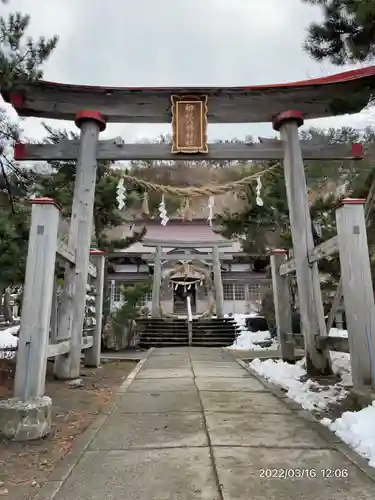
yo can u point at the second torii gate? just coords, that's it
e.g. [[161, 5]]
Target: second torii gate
[[159, 257]]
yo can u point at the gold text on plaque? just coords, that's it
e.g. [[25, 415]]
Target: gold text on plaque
[[189, 123]]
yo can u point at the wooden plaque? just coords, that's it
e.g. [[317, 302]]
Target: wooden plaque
[[189, 123]]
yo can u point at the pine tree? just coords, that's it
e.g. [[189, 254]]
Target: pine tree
[[346, 34], [253, 223], [21, 59], [14, 232], [268, 225], [59, 185]]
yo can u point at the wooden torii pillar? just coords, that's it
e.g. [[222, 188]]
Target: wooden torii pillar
[[156, 283], [310, 299], [218, 282], [67, 366]]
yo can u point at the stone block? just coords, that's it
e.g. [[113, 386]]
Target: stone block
[[25, 420]]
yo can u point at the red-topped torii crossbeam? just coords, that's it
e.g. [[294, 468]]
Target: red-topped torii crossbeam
[[347, 92]]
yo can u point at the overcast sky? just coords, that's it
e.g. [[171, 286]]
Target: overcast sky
[[177, 43]]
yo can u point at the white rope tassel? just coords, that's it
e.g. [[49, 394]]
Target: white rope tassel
[[259, 200], [211, 201], [163, 212], [121, 194]]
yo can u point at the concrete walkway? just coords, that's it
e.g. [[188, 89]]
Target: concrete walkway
[[194, 424]]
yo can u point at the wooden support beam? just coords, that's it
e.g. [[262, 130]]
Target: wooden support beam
[[54, 313], [92, 355], [115, 150], [188, 256], [64, 347], [358, 290], [66, 254], [185, 244], [63, 252], [322, 251], [155, 307], [336, 344], [80, 234], [218, 282], [281, 299], [37, 300], [189, 320], [58, 349], [310, 300], [287, 267]]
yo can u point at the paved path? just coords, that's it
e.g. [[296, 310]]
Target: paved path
[[132, 354], [193, 424]]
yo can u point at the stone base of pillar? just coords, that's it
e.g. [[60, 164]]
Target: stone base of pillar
[[26, 420]]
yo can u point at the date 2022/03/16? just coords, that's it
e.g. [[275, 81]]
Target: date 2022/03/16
[[300, 473]]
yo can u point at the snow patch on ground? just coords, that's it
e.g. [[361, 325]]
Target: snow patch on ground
[[341, 360], [341, 366], [247, 341], [7, 340], [336, 332], [357, 429], [309, 394]]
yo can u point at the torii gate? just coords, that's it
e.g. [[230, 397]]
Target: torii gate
[[214, 257], [189, 109]]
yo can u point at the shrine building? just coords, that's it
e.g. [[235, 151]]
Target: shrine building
[[243, 275]]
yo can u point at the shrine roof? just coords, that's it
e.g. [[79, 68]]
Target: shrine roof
[[176, 232], [338, 94]]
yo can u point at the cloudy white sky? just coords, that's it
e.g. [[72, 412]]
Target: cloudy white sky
[[177, 43]]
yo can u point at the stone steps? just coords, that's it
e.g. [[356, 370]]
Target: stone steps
[[160, 332]]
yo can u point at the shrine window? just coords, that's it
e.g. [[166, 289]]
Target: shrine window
[[228, 291], [239, 291], [118, 291], [254, 291]]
